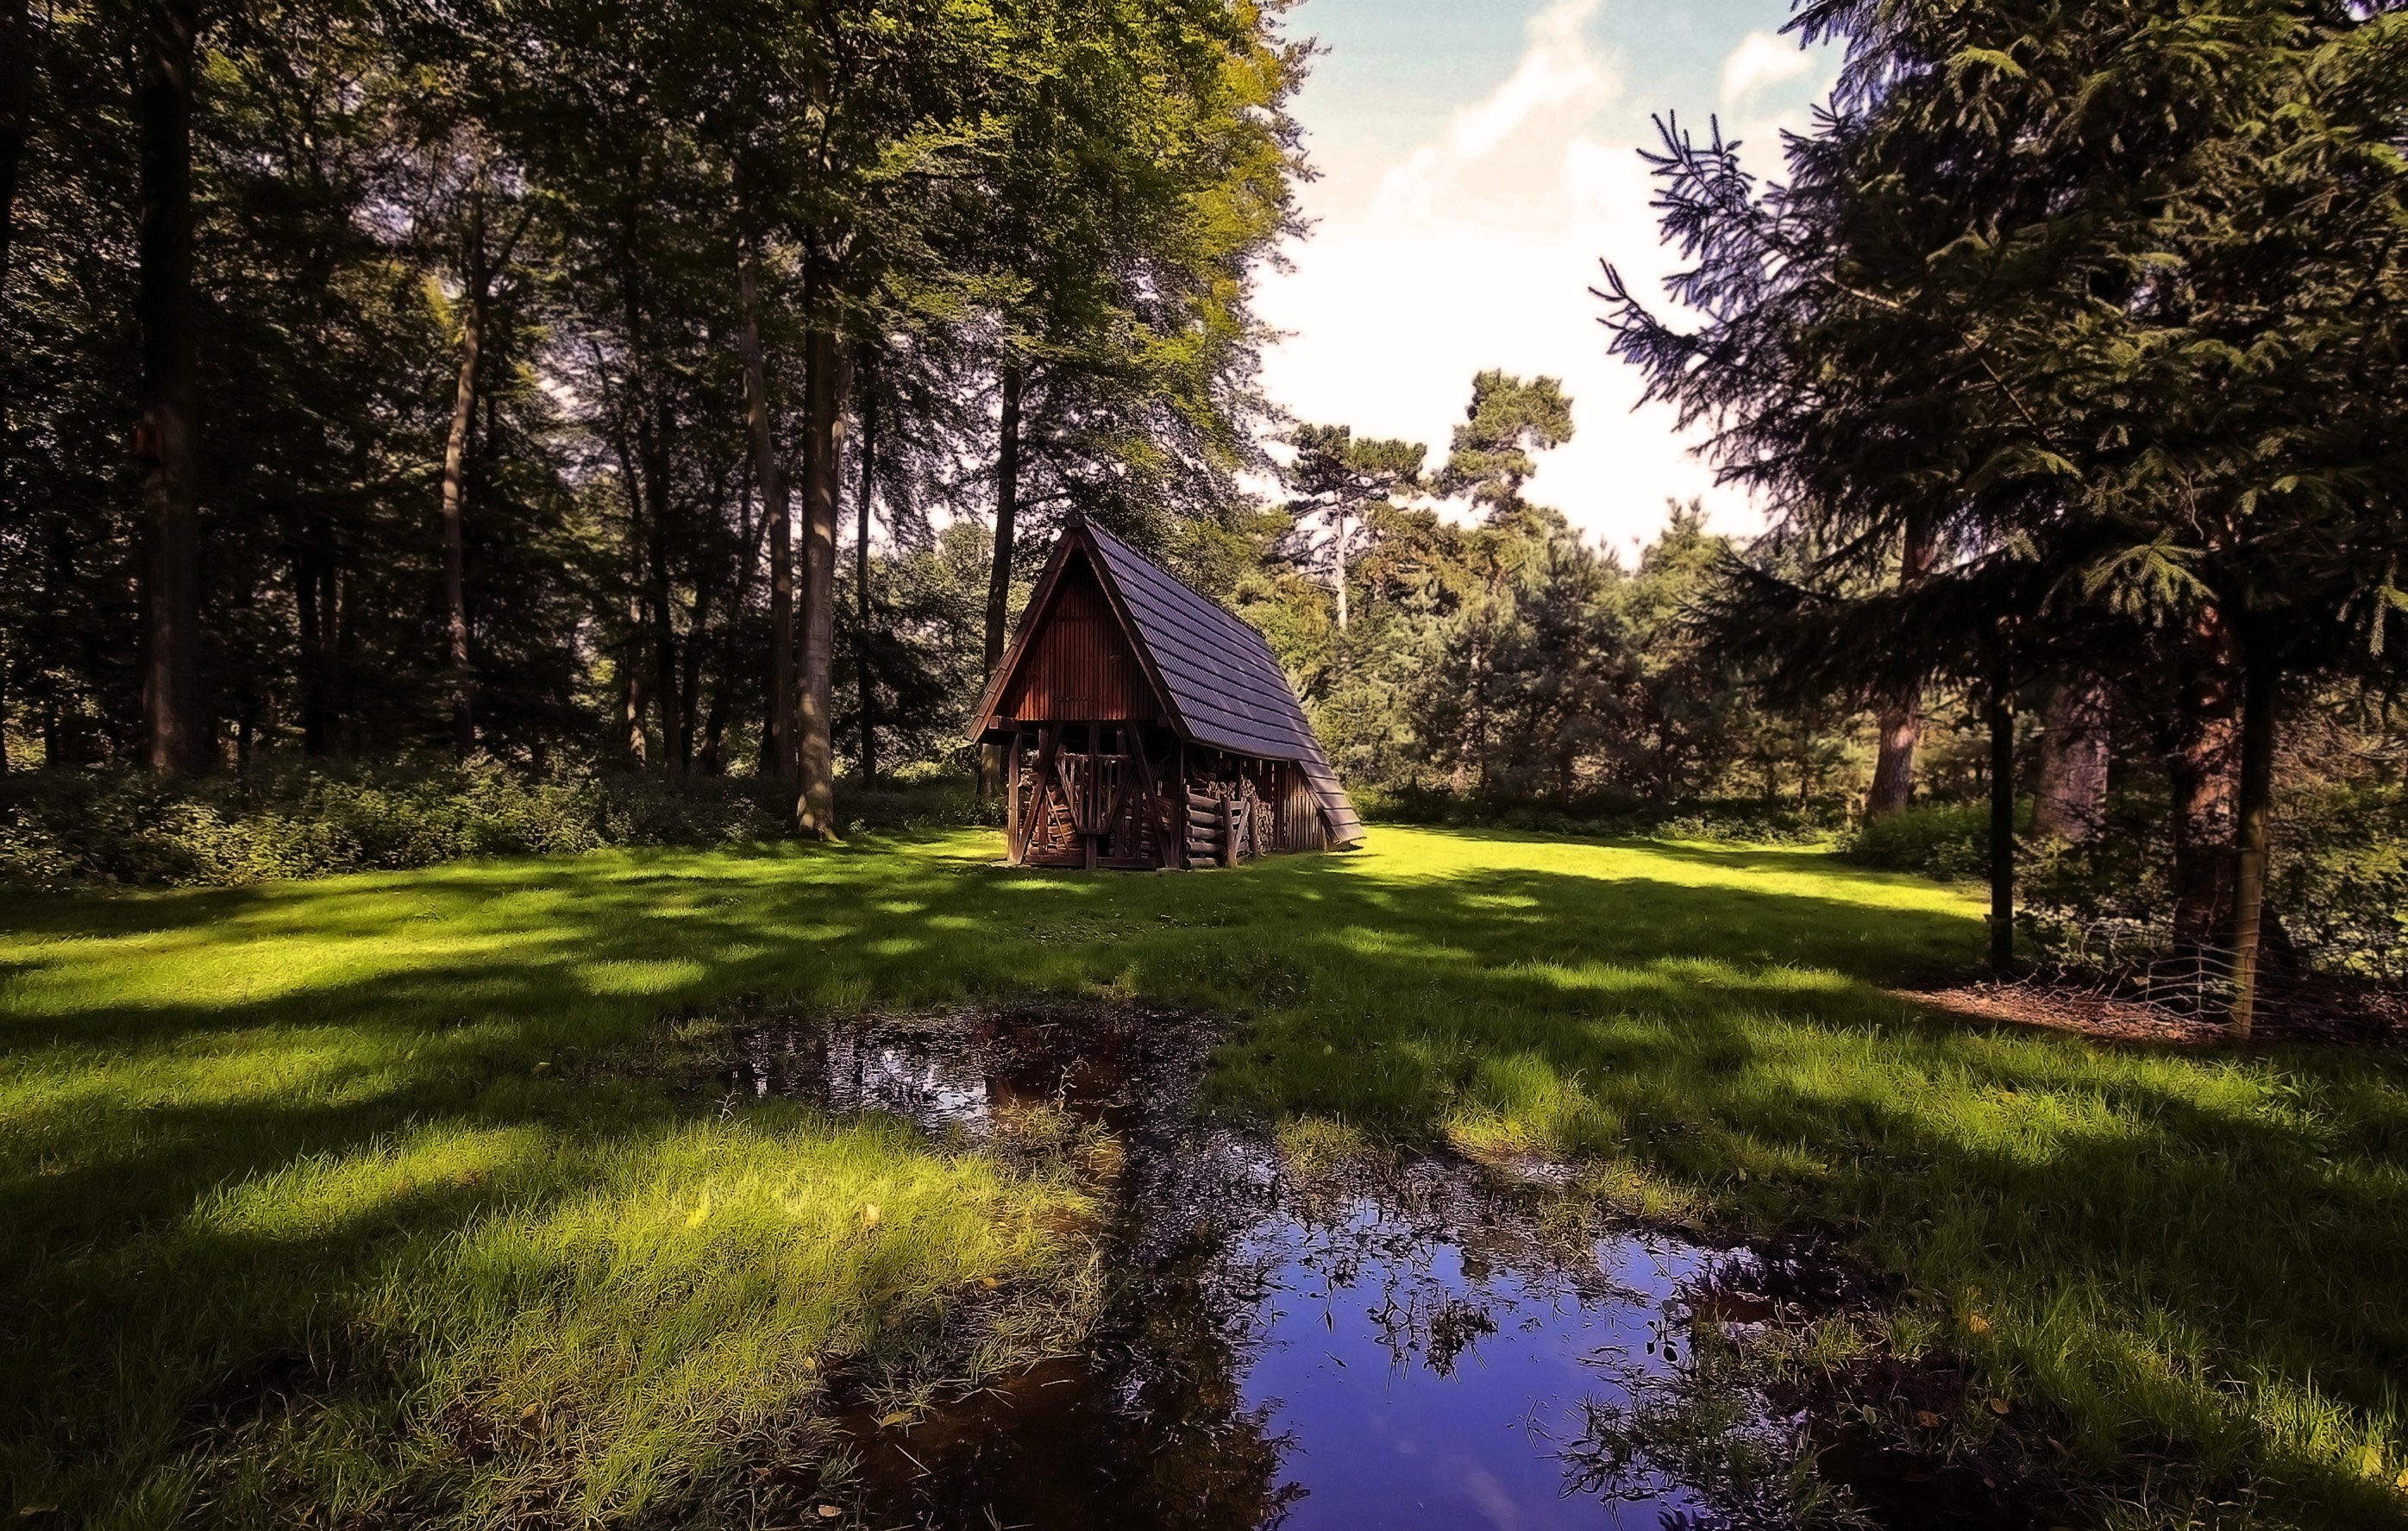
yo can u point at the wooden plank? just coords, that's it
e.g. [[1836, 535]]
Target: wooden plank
[[1228, 832]]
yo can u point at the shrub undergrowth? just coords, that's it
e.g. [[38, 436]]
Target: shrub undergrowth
[[64, 828]]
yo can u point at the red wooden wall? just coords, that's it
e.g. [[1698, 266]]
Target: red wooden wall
[[1080, 668]]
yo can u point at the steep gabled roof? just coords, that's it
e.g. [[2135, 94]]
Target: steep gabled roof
[[1224, 686]]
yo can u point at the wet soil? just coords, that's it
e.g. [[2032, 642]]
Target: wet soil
[[1386, 1343]]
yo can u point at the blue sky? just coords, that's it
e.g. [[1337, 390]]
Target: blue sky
[[1476, 161]]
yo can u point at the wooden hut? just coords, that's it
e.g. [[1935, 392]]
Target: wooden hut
[[1146, 727]]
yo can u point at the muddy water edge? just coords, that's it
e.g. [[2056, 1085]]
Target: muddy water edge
[[1300, 1339]]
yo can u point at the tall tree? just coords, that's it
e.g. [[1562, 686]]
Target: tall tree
[[1337, 478], [2075, 738], [829, 389], [16, 117], [165, 444], [480, 262], [865, 509]]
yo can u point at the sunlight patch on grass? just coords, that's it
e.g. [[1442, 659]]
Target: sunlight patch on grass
[[656, 976]]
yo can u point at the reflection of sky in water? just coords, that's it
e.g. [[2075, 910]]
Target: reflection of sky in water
[[1409, 1353], [1381, 1438], [929, 1087]]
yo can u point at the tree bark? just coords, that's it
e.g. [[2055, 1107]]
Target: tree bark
[[456, 490], [2073, 792], [655, 446], [2260, 695], [831, 368], [314, 600], [770, 472], [1901, 713], [629, 721], [175, 736], [711, 757], [2002, 805], [863, 513], [2200, 768], [998, 585]]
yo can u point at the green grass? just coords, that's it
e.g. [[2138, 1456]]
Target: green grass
[[436, 1134]]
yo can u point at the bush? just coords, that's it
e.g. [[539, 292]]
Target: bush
[[59, 828], [917, 802], [1937, 839], [2336, 894], [1748, 821]]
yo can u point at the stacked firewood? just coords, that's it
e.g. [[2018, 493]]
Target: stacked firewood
[[1226, 823]]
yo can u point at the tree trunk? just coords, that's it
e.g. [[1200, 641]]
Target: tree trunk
[[2002, 805], [1901, 713], [711, 756], [830, 383], [2200, 770], [998, 585], [629, 721], [1338, 559], [312, 604], [778, 744], [456, 490], [2073, 792], [174, 732], [653, 444], [864, 513], [2262, 689]]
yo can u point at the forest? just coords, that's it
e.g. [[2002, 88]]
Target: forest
[[692, 396], [511, 1012]]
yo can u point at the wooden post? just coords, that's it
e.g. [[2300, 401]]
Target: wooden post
[[1229, 830], [1012, 826], [1176, 790]]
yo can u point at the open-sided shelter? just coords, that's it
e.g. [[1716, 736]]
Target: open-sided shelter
[[1145, 727]]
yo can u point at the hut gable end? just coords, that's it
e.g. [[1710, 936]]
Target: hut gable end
[[1077, 662]]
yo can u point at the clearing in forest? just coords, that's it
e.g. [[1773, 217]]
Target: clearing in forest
[[429, 1195]]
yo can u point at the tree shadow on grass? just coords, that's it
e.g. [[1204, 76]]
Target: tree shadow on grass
[[1687, 1011]]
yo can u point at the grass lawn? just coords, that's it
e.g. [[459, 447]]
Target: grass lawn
[[426, 1150]]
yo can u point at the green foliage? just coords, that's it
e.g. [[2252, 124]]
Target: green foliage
[[2340, 886], [2338, 898], [1937, 839], [65, 827]]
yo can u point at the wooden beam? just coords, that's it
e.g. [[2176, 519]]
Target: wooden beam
[[1011, 803]]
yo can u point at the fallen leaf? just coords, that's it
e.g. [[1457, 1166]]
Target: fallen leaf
[[1999, 1406], [1926, 1419], [989, 1282], [891, 1421], [869, 1215], [829, 1513], [1979, 1324], [700, 1211]]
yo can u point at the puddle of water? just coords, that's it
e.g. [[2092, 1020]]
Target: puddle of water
[[1404, 1348]]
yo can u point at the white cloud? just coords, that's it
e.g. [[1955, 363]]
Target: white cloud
[[1478, 252], [1761, 60]]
